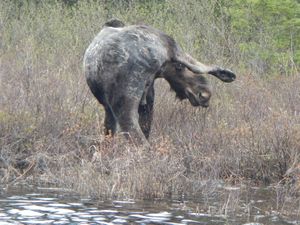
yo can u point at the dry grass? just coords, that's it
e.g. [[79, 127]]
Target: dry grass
[[51, 126]]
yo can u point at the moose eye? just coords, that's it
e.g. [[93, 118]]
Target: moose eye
[[179, 66]]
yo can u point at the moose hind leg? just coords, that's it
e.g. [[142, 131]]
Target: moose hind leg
[[110, 123], [146, 112], [126, 112]]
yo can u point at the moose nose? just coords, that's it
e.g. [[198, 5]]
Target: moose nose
[[205, 96]]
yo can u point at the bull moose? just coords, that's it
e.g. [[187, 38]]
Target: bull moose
[[121, 65]]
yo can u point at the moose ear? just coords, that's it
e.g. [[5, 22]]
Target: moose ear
[[225, 75]]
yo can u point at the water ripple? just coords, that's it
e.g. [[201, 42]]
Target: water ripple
[[42, 208]]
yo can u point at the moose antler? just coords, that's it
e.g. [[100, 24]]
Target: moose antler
[[195, 66]]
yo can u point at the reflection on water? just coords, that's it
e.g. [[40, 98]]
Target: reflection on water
[[52, 208]]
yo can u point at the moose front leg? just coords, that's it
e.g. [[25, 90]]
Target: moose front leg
[[110, 122]]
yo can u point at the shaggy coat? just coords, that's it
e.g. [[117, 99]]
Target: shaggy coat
[[121, 65]]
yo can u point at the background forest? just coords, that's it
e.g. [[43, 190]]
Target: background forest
[[51, 126]]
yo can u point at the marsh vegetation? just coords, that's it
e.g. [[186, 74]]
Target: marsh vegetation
[[51, 126]]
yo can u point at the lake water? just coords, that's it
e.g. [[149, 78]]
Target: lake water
[[51, 206]]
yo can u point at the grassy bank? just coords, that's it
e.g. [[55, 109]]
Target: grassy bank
[[51, 126]]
